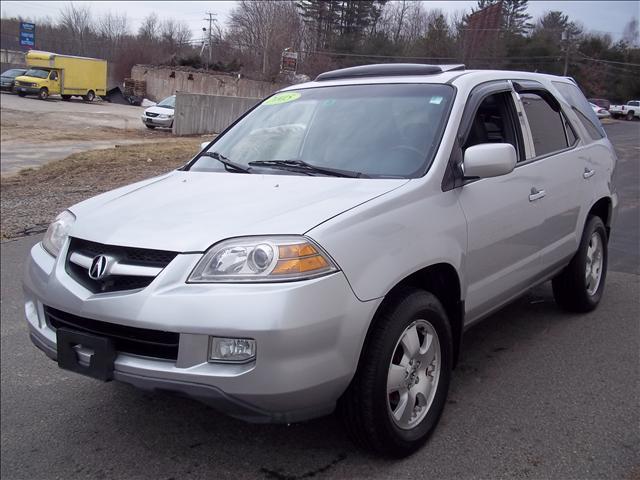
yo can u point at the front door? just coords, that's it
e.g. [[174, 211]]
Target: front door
[[504, 215], [54, 82]]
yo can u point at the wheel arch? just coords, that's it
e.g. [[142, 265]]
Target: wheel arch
[[603, 208], [443, 281]]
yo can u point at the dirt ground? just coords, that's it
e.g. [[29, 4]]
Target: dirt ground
[[33, 197]]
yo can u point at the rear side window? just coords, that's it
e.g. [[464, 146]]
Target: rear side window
[[547, 125], [580, 105]]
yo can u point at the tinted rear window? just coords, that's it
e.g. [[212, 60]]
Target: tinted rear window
[[585, 113], [547, 126]]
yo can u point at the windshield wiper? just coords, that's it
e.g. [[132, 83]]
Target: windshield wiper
[[304, 167], [227, 163]]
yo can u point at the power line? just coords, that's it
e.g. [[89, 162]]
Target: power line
[[627, 64]]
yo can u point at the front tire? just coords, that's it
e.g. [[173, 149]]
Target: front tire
[[22, 94], [150, 127], [579, 287], [400, 388], [43, 94]]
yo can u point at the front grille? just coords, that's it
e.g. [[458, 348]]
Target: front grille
[[150, 114], [113, 283], [138, 341]]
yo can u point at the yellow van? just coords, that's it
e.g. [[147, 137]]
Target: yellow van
[[65, 75]]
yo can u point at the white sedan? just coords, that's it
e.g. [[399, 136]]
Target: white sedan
[[600, 112], [161, 114]]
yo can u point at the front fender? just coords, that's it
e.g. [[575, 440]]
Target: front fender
[[382, 242]]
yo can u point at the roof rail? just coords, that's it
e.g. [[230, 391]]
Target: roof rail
[[387, 69]]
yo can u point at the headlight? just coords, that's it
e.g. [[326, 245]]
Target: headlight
[[262, 259], [57, 232], [166, 115]]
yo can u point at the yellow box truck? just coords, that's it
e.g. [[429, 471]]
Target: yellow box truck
[[65, 75]]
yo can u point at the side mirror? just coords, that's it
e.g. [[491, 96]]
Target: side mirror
[[204, 145], [489, 160]]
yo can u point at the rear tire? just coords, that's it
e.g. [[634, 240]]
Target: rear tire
[[89, 96], [630, 116], [43, 94], [579, 287], [390, 379]]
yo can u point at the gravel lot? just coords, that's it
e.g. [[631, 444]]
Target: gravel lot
[[32, 198], [63, 128]]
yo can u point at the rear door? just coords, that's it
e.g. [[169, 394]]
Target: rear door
[[504, 214], [562, 168]]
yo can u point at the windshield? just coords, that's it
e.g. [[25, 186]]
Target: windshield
[[390, 130], [169, 102], [13, 73], [35, 72]]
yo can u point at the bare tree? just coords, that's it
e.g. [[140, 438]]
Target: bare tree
[[77, 21], [112, 28], [630, 34], [262, 29], [150, 28]]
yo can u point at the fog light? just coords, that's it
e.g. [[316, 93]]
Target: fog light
[[31, 312], [231, 350]]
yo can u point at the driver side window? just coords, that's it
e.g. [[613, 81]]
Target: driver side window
[[493, 122], [53, 75]]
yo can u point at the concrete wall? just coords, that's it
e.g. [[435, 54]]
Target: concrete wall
[[165, 81], [11, 59], [200, 114]]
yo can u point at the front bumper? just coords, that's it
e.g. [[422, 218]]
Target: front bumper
[[309, 335], [27, 90], [157, 122]]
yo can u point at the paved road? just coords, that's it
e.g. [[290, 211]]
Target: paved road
[[538, 394]]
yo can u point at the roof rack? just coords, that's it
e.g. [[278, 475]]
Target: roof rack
[[387, 69]]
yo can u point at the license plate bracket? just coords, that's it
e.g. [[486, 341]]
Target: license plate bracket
[[100, 362]]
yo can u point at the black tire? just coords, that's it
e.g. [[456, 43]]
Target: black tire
[[365, 407], [43, 94], [151, 127], [570, 287], [89, 96], [66, 98], [22, 94], [630, 116]]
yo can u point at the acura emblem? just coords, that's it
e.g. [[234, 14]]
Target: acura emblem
[[99, 266]]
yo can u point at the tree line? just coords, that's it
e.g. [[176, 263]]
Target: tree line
[[330, 34]]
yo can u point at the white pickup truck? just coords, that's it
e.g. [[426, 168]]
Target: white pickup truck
[[629, 111]]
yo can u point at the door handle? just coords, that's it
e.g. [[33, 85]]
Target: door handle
[[536, 194], [588, 173]]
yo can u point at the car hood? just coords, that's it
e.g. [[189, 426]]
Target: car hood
[[160, 110], [25, 78], [190, 211]]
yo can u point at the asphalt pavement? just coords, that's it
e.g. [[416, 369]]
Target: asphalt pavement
[[538, 394]]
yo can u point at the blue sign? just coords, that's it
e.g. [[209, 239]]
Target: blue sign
[[27, 34]]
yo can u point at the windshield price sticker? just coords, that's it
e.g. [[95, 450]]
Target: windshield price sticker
[[283, 97]]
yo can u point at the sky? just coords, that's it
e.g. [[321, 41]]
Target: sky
[[597, 16]]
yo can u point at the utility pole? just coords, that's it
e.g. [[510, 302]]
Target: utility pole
[[211, 20]]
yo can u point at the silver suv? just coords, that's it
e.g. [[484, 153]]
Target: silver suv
[[330, 248]]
